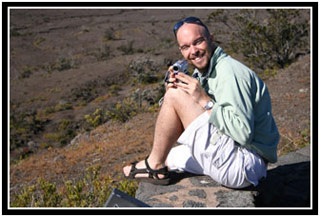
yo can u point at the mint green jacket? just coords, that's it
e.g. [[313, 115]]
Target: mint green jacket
[[242, 108]]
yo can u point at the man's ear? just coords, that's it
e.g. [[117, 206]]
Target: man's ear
[[211, 40], [211, 37]]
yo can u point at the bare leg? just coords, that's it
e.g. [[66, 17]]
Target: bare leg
[[177, 112]]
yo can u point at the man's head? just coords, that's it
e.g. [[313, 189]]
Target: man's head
[[195, 42]]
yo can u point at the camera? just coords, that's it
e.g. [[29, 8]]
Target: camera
[[180, 66]]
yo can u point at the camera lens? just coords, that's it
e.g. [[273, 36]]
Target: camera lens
[[175, 68]]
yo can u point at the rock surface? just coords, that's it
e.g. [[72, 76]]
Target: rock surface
[[287, 185]]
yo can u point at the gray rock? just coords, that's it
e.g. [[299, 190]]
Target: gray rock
[[199, 193], [191, 203], [32, 145], [203, 181], [173, 198], [305, 151], [147, 190], [235, 199], [291, 158], [75, 141]]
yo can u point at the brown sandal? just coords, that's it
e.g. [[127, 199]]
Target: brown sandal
[[153, 174]]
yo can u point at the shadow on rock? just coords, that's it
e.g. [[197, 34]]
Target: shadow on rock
[[285, 186], [177, 176]]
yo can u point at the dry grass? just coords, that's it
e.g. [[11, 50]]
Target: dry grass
[[111, 146]]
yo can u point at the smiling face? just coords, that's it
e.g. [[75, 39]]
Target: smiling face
[[196, 45]]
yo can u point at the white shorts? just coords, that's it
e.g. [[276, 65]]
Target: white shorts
[[205, 150]]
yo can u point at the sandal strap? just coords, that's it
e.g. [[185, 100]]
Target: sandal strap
[[154, 173], [151, 172], [134, 171]]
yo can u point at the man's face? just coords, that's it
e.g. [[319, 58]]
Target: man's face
[[195, 45]]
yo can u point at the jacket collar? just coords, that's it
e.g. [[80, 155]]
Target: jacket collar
[[213, 62]]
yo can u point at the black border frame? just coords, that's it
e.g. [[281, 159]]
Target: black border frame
[[152, 211]]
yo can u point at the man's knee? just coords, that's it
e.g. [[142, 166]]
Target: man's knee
[[174, 95]]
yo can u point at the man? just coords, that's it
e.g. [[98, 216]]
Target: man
[[221, 117]]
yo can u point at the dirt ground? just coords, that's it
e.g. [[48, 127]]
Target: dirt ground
[[55, 53]]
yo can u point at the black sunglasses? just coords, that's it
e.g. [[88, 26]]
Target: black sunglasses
[[193, 20]]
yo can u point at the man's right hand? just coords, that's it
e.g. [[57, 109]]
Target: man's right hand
[[170, 82]]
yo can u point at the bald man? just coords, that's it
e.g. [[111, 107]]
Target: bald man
[[221, 117]]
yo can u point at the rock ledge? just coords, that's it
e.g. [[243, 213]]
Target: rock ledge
[[287, 185]]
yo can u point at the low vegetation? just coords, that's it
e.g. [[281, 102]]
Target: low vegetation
[[91, 191], [267, 44], [23, 126], [291, 143], [144, 71]]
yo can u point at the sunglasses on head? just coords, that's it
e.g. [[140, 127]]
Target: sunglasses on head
[[193, 20]]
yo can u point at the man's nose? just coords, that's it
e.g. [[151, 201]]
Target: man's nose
[[194, 50]]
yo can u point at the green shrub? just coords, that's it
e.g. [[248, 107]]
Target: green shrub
[[25, 198], [114, 89], [47, 111], [274, 43], [64, 64], [270, 43], [27, 72], [23, 126], [123, 111], [49, 196], [45, 145], [110, 34], [96, 118], [288, 143], [64, 124], [38, 41], [53, 137], [103, 53], [305, 138], [149, 95], [93, 89], [14, 32], [90, 191], [61, 64], [167, 43], [144, 71], [62, 107], [86, 93], [219, 15], [63, 132], [127, 48]]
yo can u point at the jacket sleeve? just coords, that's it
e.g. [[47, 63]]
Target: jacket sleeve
[[232, 113]]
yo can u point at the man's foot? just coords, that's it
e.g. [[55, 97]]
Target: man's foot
[[141, 171]]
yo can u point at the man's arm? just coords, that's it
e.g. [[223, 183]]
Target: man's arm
[[233, 113]]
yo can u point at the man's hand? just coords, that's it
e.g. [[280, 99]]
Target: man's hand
[[191, 86], [171, 81]]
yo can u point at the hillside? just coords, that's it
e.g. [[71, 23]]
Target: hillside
[[66, 64]]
